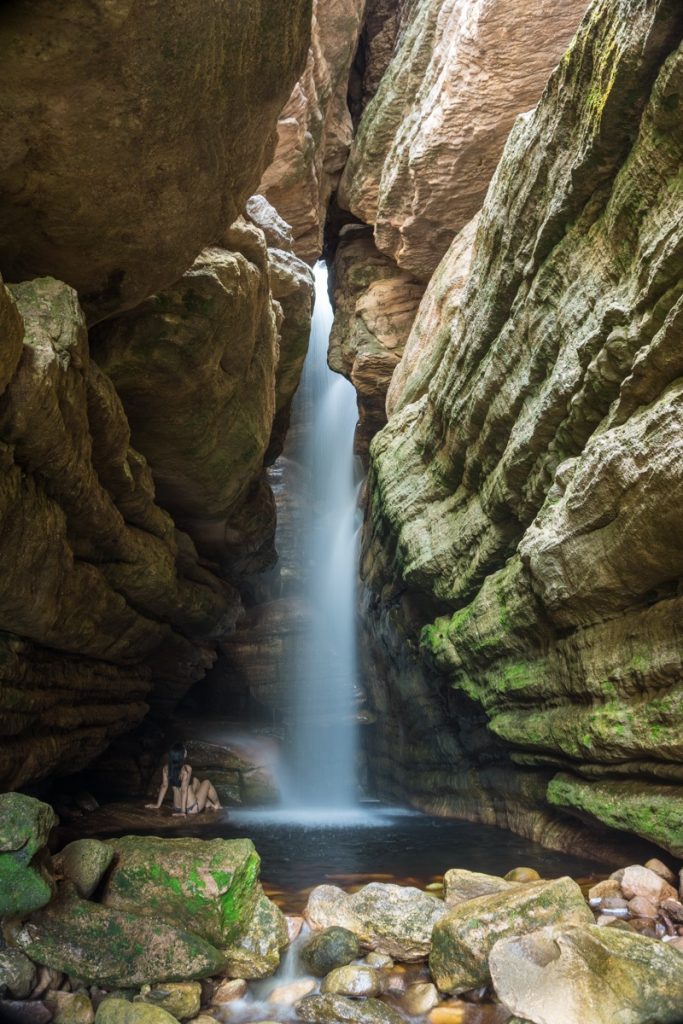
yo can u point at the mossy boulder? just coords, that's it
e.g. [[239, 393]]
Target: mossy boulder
[[331, 948], [206, 887], [256, 954], [25, 825], [182, 999], [120, 1011], [17, 974], [463, 939], [84, 863], [113, 948], [580, 974]]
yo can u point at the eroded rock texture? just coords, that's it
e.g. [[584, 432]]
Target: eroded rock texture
[[211, 345], [524, 546], [314, 129], [131, 134], [104, 592], [375, 304], [429, 140]]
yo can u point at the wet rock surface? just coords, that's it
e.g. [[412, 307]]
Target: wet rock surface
[[391, 919]]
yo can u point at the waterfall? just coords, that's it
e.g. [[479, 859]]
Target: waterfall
[[323, 669]]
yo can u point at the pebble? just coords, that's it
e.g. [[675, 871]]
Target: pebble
[[610, 887], [395, 983], [352, 981], [287, 995], [675, 941], [448, 1014], [674, 910], [378, 960], [522, 875], [230, 990], [614, 903], [661, 869], [641, 906], [640, 881], [420, 998]]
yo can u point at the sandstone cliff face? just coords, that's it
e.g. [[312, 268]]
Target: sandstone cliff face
[[314, 129], [102, 589], [430, 139], [132, 133], [375, 304], [524, 550], [212, 343]]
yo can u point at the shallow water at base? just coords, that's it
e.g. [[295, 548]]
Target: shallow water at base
[[376, 843]]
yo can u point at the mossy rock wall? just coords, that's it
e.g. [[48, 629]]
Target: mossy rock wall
[[523, 548]]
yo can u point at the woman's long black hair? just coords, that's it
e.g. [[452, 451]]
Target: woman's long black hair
[[176, 760]]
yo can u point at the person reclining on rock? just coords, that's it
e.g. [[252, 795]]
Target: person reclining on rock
[[190, 796]]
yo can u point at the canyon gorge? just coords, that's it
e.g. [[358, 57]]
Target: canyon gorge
[[498, 196]]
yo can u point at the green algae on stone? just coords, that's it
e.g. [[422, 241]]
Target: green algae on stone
[[207, 887], [113, 948], [17, 973], [256, 953], [649, 810], [25, 825]]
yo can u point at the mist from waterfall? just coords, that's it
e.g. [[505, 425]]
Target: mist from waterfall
[[321, 741]]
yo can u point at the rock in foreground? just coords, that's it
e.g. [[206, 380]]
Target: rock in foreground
[[601, 975], [464, 938], [392, 919]]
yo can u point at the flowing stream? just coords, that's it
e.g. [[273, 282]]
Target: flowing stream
[[322, 671]]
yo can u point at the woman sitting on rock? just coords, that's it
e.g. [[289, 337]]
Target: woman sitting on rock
[[190, 796]]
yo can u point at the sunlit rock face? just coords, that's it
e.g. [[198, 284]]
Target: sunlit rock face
[[429, 141], [100, 594], [314, 130], [132, 133], [375, 304], [524, 546]]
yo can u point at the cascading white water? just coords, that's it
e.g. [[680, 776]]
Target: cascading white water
[[322, 741]]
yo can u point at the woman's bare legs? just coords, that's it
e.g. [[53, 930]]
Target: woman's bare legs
[[205, 795]]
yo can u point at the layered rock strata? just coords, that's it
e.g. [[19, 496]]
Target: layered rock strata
[[375, 305], [139, 140], [523, 550], [100, 591], [314, 129], [429, 140]]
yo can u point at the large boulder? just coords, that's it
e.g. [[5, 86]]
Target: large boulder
[[208, 887], [572, 975], [25, 825], [392, 919], [113, 948], [116, 172], [463, 939], [120, 1011]]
